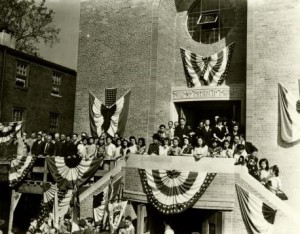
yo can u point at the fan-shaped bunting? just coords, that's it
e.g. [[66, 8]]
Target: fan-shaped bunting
[[174, 191], [69, 177], [9, 130], [19, 167]]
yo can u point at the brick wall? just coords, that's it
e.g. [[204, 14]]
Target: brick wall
[[135, 44], [36, 99], [273, 44]]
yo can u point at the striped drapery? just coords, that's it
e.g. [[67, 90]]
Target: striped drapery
[[174, 191], [289, 116], [258, 216], [69, 178], [210, 70], [9, 130]]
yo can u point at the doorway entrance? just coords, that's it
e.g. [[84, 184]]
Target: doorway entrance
[[197, 111]]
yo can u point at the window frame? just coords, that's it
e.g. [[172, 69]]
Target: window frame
[[54, 127], [22, 77], [22, 111], [56, 83], [208, 13]]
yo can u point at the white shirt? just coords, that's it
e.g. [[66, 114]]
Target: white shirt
[[110, 150], [169, 230], [275, 183], [201, 151], [133, 149], [226, 153], [81, 150], [163, 150], [237, 156]]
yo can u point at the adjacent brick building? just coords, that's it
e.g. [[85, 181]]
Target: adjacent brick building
[[37, 91]]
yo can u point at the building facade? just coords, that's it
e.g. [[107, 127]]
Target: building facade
[[135, 45], [36, 91]]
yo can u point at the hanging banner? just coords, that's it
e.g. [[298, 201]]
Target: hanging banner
[[258, 216], [9, 130], [174, 191]]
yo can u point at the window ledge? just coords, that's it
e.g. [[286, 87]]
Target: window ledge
[[56, 95], [21, 88]]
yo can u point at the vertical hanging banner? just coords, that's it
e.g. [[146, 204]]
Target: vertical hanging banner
[[210, 70], [258, 216], [289, 116]]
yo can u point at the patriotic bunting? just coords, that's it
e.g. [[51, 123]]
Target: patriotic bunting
[[210, 70], [108, 119], [9, 130], [258, 216], [174, 191], [101, 200], [19, 167], [289, 117], [69, 177]]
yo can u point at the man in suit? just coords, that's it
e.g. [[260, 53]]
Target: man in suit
[[182, 130], [61, 146], [206, 132], [49, 147], [72, 149], [37, 146]]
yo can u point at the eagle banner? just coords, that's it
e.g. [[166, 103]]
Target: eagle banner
[[174, 191], [258, 216], [110, 119], [289, 117], [69, 177], [210, 70], [9, 130]]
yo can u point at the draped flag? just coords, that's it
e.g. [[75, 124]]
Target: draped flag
[[174, 191], [9, 130], [108, 119], [210, 70], [258, 216], [101, 200], [19, 167], [289, 117], [68, 177], [116, 211]]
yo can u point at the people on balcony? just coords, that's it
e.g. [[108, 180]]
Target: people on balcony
[[175, 150], [133, 145], [186, 148], [154, 147], [200, 150], [164, 148], [141, 146]]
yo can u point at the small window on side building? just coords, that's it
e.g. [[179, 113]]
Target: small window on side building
[[54, 122], [21, 74], [18, 114], [56, 82]]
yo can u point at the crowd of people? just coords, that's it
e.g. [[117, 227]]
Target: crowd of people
[[220, 139], [85, 226]]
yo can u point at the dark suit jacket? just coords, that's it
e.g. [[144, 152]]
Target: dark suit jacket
[[61, 148], [72, 148], [50, 149], [207, 135], [250, 148], [179, 132], [37, 148]]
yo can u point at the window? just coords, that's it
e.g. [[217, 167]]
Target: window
[[54, 121], [56, 81], [210, 20], [18, 114], [21, 74]]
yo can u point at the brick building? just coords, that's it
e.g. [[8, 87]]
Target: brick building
[[35, 90], [135, 45]]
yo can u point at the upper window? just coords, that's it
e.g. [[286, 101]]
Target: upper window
[[56, 81], [18, 114], [21, 74], [210, 20]]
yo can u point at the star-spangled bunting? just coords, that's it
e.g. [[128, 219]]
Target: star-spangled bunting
[[174, 191]]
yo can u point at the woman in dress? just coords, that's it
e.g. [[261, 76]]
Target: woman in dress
[[264, 171], [215, 150], [141, 148], [200, 150], [91, 149], [175, 150], [226, 152], [274, 183], [133, 146], [118, 147], [125, 149], [164, 148], [101, 148], [186, 148]]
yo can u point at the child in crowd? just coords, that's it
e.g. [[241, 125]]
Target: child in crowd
[[118, 142], [110, 148], [125, 149], [264, 172], [141, 148], [164, 148], [133, 146], [215, 149], [252, 166], [154, 147], [101, 148], [91, 149], [175, 150], [186, 148], [274, 183], [226, 152], [200, 150], [240, 151]]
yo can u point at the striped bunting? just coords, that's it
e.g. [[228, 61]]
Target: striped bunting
[[70, 177], [258, 216], [289, 117], [19, 167], [9, 130], [210, 70], [174, 191], [108, 119]]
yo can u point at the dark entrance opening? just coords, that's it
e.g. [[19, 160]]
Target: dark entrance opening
[[194, 112]]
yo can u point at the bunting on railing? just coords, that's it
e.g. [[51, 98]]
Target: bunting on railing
[[9, 130], [68, 177], [258, 216], [210, 70], [19, 167], [174, 191]]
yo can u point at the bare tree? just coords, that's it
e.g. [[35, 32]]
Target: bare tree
[[30, 22]]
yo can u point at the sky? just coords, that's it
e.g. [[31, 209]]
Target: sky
[[67, 19]]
